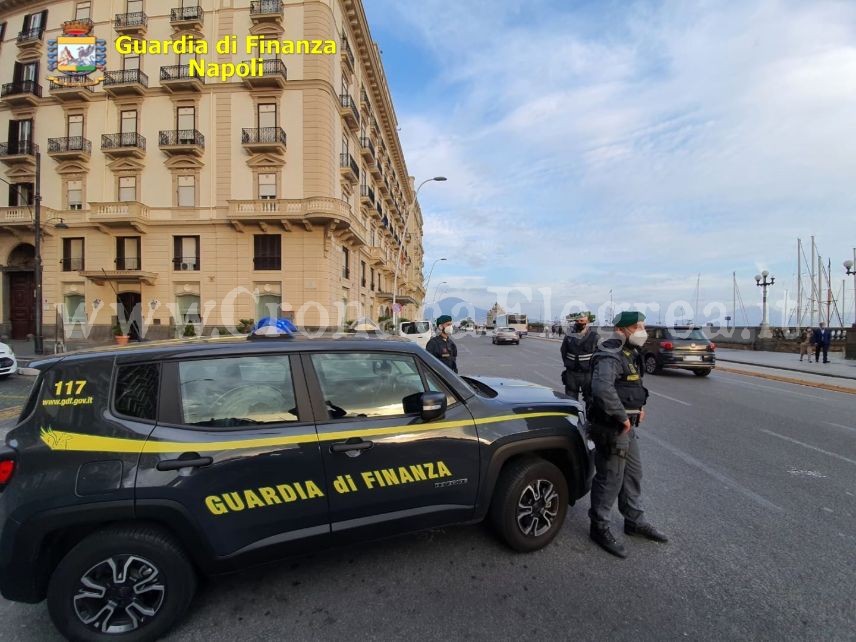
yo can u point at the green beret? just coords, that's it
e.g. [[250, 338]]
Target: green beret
[[627, 318], [443, 318]]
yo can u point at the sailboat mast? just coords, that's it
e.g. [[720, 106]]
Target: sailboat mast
[[813, 291], [799, 284]]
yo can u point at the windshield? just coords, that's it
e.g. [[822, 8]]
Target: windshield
[[417, 327], [692, 334]]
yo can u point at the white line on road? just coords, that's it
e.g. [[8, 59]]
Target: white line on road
[[660, 394], [758, 385], [810, 447], [713, 473], [829, 423]]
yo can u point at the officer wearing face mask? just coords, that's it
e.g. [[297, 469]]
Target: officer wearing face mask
[[442, 346], [577, 350], [615, 411]]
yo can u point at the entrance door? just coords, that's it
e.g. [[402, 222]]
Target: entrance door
[[130, 311], [22, 287]]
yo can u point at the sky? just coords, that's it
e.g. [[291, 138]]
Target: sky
[[647, 149]]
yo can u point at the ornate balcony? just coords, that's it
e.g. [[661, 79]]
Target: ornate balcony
[[23, 93], [264, 140], [70, 148], [348, 110], [187, 18], [16, 219], [266, 11], [123, 145], [31, 38], [179, 142], [125, 82], [131, 24], [348, 60], [177, 78], [274, 75], [287, 213], [120, 214], [367, 148], [70, 91], [348, 168], [19, 152], [367, 196]]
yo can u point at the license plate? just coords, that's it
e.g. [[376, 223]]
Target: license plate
[[692, 358]]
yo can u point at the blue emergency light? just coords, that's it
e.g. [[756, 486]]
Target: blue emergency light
[[269, 328]]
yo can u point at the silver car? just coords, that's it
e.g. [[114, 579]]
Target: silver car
[[506, 335]]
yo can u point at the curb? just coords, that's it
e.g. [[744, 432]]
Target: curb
[[799, 382], [788, 368]]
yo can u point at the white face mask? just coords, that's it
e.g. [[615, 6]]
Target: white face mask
[[447, 329], [638, 338]]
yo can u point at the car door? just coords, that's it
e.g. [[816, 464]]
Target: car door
[[388, 470], [235, 448]]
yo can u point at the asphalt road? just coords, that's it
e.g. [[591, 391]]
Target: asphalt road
[[755, 482]]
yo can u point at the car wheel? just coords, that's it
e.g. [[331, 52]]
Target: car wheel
[[529, 504], [702, 373], [128, 582], [651, 366], [5, 376]]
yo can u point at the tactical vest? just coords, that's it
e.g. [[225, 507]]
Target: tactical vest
[[631, 392], [580, 351]]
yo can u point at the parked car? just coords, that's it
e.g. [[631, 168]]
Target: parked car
[[682, 347], [8, 363], [506, 335], [134, 470], [419, 332]]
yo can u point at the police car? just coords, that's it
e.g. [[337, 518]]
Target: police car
[[133, 471]]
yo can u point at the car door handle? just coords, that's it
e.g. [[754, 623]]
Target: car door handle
[[348, 446], [177, 464]]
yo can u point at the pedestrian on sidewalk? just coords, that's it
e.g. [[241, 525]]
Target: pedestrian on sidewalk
[[806, 344], [822, 338]]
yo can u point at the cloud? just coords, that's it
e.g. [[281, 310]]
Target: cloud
[[595, 145]]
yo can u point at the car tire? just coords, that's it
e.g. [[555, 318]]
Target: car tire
[[703, 372], [521, 485], [137, 552], [651, 365]]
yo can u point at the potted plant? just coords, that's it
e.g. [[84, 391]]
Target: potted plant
[[189, 330], [121, 338], [245, 325]]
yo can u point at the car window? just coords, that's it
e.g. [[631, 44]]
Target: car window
[[366, 384], [238, 391], [435, 384], [693, 334], [136, 392]]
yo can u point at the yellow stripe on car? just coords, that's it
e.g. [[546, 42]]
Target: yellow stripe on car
[[77, 442]]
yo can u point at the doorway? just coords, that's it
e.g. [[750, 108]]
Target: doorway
[[130, 311], [22, 304]]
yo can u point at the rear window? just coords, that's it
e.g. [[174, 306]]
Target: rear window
[[692, 334], [417, 327]]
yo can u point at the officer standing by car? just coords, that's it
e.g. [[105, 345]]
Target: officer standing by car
[[577, 350], [441, 345], [615, 411]]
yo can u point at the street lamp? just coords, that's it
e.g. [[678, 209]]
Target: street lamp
[[430, 272], [435, 291], [762, 282], [439, 179], [849, 266]]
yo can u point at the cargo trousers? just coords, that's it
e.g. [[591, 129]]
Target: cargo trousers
[[576, 383], [618, 475]]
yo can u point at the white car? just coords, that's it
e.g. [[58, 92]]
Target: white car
[[506, 335], [418, 332], [8, 363]]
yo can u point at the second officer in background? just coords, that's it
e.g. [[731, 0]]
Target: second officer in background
[[577, 349], [442, 345]]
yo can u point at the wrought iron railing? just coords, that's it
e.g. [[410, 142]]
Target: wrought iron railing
[[263, 135], [70, 144]]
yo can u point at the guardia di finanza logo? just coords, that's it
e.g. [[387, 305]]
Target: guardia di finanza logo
[[77, 54]]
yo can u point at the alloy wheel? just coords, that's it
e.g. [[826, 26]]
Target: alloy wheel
[[537, 507], [119, 594]]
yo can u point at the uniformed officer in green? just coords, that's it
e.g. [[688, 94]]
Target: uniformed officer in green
[[442, 346], [615, 411]]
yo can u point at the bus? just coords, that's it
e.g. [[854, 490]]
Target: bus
[[518, 322]]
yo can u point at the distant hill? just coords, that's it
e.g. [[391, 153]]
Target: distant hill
[[456, 308]]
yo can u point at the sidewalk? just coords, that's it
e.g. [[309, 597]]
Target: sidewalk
[[25, 351]]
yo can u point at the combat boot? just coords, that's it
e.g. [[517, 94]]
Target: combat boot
[[645, 530], [604, 538]]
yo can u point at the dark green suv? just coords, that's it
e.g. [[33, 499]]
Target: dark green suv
[[683, 347], [133, 471]]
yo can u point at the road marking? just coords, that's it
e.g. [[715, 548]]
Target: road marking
[[9, 413], [809, 446], [660, 394], [713, 473], [763, 387], [798, 382], [840, 426]]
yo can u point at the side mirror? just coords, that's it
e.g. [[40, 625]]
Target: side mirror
[[433, 405]]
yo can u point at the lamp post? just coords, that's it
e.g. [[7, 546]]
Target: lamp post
[[430, 272], [851, 271], [762, 282], [435, 291], [401, 249]]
